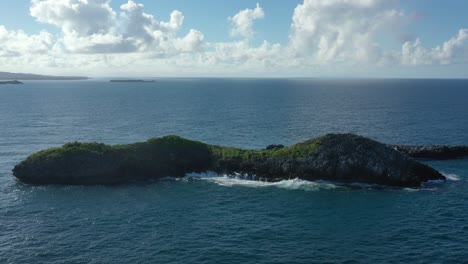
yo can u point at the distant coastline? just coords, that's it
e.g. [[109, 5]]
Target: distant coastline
[[37, 77], [11, 82]]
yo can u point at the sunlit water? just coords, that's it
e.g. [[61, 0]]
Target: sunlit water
[[209, 218]]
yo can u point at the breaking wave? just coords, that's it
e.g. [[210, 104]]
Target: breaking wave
[[238, 180], [298, 184], [452, 177]]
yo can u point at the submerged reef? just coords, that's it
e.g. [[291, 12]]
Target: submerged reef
[[344, 158]]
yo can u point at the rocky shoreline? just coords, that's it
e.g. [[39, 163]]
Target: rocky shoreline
[[433, 152], [343, 158]]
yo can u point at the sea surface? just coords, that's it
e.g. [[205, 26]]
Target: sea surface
[[209, 218]]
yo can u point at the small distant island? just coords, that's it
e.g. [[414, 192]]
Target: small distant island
[[38, 77], [129, 80], [11, 82], [342, 158]]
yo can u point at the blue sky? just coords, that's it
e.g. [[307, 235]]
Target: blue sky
[[297, 38], [206, 15]]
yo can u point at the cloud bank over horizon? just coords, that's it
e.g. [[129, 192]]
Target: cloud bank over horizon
[[326, 38]]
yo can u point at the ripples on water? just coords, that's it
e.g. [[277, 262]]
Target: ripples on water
[[209, 218]]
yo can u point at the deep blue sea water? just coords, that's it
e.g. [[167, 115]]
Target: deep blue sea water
[[214, 219]]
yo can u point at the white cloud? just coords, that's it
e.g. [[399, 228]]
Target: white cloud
[[144, 26], [140, 25], [17, 43], [82, 17], [21, 52], [192, 42], [88, 26], [174, 23], [93, 27], [326, 38], [240, 53], [342, 31], [97, 43], [149, 35], [242, 22], [454, 50]]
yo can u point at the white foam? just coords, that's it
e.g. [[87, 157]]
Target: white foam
[[433, 185], [433, 182], [239, 180], [411, 189], [452, 177], [298, 184]]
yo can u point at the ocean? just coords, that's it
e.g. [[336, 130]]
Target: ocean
[[209, 218]]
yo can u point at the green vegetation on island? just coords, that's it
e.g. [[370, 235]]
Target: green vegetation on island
[[342, 158]]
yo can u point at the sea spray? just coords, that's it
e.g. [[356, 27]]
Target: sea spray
[[240, 180]]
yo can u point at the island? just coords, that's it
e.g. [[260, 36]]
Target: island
[[342, 158], [11, 82], [129, 80], [36, 77]]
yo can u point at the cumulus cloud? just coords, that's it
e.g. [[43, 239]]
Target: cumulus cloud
[[192, 42], [17, 43], [88, 26], [455, 50], [144, 26], [92, 26], [159, 37], [81, 17], [333, 36], [140, 25], [174, 23], [242, 22], [241, 53], [342, 31], [97, 43]]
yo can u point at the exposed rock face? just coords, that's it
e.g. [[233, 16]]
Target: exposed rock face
[[336, 157], [434, 152]]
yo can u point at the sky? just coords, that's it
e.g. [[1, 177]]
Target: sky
[[236, 38]]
